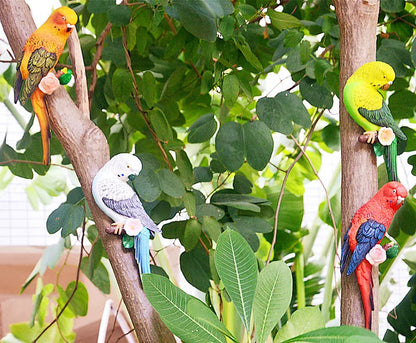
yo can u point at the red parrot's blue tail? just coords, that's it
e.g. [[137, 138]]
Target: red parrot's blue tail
[[364, 273]]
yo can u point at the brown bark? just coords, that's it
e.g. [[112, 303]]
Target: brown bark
[[88, 150], [358, 25]]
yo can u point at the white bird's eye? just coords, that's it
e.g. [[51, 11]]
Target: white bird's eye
[[128, 166]]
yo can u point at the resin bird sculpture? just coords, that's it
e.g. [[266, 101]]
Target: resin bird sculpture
[[120, 202], [367, 107], [367, 228], [40, 55]]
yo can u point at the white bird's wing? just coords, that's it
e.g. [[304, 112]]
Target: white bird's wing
[[131, 208]]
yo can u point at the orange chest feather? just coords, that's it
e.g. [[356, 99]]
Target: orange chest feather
[[41, 39]]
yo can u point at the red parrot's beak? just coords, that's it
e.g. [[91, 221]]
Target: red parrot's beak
[[399, 200], [386, 86]]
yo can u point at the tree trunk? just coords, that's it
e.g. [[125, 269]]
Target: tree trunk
[[358, 24], [88, 151]]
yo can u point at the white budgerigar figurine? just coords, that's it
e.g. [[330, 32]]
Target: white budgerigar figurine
[[120, 202]]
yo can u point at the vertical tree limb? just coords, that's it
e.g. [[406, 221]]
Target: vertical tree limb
[[88, 151], [358, 24]]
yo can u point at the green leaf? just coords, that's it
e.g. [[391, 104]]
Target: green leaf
[[402, 104], [199, 17], [331, 136], [237, 268], [230, 89], [195, 268], [337, 334], [209, 210], [79, 301], [252, 224], [147, 185], [100, 6], [191, 234], [161, 125], [241, 184], [317, 95], [211, 227], [229, 144], [68, 217], [292, 38], [249, 55], [279, 112], [172, 305], [272, 298], [392, 6], [302, 320], [185, 168], [394, 52], [202, 174], [258, 144], [202, 129], [198, 310], [170, 183], [122, 84], [119, 15], [283, 21], [227, 28], [149, 90]]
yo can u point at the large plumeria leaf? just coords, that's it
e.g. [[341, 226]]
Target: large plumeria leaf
[[179, 311], [337, 334], [301, 321], [272, 298], [237, 267]]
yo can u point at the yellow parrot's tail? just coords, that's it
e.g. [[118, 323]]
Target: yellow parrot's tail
[[39, 106]]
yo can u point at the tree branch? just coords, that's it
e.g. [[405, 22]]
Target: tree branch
[[88, 151]]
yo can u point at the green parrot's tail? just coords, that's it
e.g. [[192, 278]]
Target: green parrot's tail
[[389, 153]]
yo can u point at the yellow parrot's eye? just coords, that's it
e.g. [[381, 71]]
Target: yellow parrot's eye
[[63, 18]]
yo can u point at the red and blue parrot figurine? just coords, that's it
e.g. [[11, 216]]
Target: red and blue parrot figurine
[[367, 228]]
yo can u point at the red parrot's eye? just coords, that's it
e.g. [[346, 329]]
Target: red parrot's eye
[[394, 191]]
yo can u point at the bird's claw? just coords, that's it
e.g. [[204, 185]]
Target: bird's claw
[[372, 135], [118, 228]]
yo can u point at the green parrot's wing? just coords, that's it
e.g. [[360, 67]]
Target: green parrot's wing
[[19, 80], [40, 63], [382, 117]]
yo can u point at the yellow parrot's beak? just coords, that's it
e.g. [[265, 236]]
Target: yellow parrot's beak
[[386, 86]]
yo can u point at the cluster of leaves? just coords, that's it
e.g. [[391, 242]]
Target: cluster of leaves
[[265, 297], [181, 83]]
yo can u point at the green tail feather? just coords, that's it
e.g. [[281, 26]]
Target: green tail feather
[[389, 153]]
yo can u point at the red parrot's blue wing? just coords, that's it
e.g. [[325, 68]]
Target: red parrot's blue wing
[[368, 234], [345, 251]]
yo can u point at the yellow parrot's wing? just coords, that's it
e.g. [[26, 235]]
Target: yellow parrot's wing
[[39, 65]]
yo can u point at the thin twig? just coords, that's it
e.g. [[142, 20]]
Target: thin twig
[[138, 102], [172, 27], [124, 335], [2, 163], [114, 322], [331, 213], [75, 287], [282, 188], [98, 52]]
